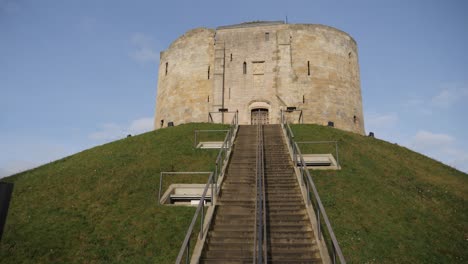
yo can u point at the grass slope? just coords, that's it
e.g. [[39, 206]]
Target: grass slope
[[389, 204], [100, 205]]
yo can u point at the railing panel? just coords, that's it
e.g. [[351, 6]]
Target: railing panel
[[213, 180], [313, 198]]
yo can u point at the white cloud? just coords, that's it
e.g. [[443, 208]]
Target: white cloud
[[144, 48], [380, 121], [417, 105], [442, 147], [449, 96], [108, 131], [427, 140], [141, 125], [113, 131]]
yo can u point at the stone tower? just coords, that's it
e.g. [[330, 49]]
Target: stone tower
[[308, 72]]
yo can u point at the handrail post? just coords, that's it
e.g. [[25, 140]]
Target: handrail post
[[337, 158], [312, 194], [213, 180], [212, 193], [334, 255], [160, 186], [319, 224], [202, 216], [188, 252]]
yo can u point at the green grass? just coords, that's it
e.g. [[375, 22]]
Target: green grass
[[389, 204], [100, 205]]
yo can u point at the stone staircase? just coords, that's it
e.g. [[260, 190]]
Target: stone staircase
[[289, 231], [231, 235], [290, 238]]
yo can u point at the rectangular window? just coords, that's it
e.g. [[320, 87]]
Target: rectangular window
[[308, 68], [267, 36]]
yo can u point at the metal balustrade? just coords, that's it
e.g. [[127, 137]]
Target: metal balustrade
[[222, 116], [215, 182], [313, 198], [197, 132], [260, 243]]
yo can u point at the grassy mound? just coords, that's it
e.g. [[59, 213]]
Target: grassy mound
[[389, 204], [100, 205]]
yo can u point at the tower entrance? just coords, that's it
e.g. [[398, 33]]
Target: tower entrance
[[259, 116]]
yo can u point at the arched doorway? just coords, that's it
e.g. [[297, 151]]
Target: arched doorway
[[259, 116]]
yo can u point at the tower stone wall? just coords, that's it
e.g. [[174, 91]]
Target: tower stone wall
[[262, 65]]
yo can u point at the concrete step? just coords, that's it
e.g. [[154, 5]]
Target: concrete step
[[223, 234], [234, 210], [287, 234], [224, 245], [292, 253], [235, 221], [275, 259], [301, 240], [231, 236], [290, 232], [283, 217], [229, 253], [222, 260], [241, 239]]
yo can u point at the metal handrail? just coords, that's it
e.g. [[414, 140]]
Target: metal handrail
[[322, 142], [210, 117], [265, 246], [162, 173], [336, 250], [221, 159], [255, 250], [200, 207], [260, 249], [309, 183], [300, 119], [205, 131]]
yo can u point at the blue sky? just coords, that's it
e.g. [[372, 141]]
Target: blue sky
[[76, 74]]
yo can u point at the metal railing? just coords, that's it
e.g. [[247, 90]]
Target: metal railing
[[300, 119], [223, 114], [200, 208], [313, 199], [260, 243], [321, 142], [196, 132], [162, 173], [214, 181]]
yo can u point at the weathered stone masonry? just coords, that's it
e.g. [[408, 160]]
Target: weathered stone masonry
[[261, 66]]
